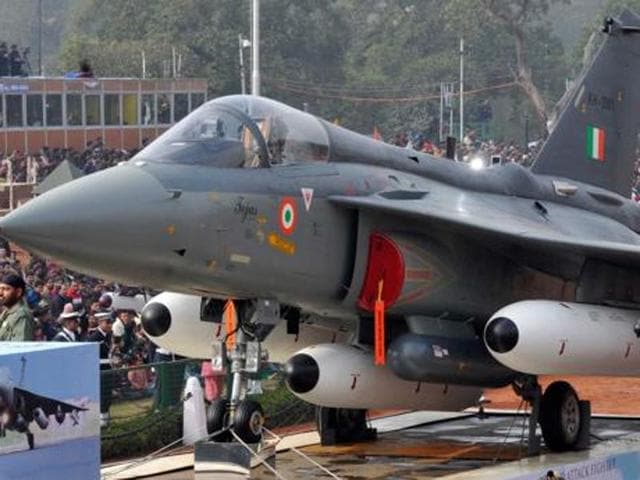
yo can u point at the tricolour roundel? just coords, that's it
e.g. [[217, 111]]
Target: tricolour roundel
[[288, 215]]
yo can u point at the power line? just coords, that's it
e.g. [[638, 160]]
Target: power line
[[362, 99], [367, 90]]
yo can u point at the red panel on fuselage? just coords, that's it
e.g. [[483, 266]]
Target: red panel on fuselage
[[387, 264]]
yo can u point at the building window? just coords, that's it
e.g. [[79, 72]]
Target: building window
[[92, 110], [130, 109], [111, 109], [53, 107], [148, 109], [164, 109], [15, 116], [34, 111], [197, 99], [74, 109], [180, 106]]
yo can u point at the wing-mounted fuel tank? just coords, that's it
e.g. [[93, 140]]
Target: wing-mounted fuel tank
[[545, 337], [343, 376], [419, 276], [172, 321]]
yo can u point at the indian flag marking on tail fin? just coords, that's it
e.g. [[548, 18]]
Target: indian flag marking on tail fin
[[595, 143]]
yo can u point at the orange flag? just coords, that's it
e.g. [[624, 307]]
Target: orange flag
[[230, 323], [380, 353]]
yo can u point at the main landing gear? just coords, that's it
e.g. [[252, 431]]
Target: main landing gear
[[343, 425], [243, 416], [564, 419]]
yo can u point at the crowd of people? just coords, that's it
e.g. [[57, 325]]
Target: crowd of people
[[44, 302], [14, 63], [471, 146], [35, 167]]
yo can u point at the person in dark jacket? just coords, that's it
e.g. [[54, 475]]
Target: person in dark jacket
[[15, 61], [4, 60], [69, 332]]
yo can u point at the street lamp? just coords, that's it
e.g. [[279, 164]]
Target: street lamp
[[242, 44], [39, 38]]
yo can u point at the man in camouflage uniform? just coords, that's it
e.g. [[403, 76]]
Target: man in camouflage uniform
[[16, 321]]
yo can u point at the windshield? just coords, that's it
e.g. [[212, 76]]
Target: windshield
[[241, 131]]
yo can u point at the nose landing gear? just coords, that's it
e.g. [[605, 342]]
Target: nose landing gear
[[237, 414]]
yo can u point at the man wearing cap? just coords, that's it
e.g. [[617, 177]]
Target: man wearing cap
[[16, 321], [102, 335], [69, 332]]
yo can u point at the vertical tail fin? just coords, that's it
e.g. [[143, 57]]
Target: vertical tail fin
[[595, 138]]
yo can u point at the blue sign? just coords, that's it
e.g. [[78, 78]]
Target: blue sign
[[49, 411]]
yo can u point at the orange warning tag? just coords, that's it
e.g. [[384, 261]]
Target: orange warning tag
[[378, 329], [230, 323]]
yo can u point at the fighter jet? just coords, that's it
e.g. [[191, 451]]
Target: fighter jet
[[19, 407], [382, 276]]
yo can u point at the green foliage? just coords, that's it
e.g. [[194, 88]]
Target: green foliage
[[19, 24], [591, 39], [140, 435], [138, 430], [334, 55]]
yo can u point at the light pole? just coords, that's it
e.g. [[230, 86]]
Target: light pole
[[255, 48], [39, 38], [461, 90], [242, 44]]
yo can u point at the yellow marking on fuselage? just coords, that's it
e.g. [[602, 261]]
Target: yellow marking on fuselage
[[282, 244]]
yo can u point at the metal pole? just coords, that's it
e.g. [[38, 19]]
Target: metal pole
[[10, 185], [451, 133], [526, 133], [39, 38], [441, 126], [461, 89], [144, 65], [243, 85], [255, 48], [173, 62]]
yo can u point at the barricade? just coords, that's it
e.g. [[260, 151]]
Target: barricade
[[146, 406]]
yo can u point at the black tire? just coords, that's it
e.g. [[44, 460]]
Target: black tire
[[60, 416], [217, 412], [248, 421], [560, 417]]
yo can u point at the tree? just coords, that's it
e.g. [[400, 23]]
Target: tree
[[524, 22], [368, 62]]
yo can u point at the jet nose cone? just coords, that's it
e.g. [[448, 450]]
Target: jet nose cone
[[96, 218]]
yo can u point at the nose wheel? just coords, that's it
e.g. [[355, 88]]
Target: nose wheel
[[244, 417], [248, 421], [217, 419]]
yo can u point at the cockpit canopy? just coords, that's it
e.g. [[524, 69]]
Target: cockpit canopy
[[241, 131]]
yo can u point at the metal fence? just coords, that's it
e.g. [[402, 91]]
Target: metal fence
[[146, 406]]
